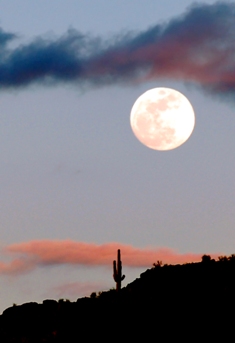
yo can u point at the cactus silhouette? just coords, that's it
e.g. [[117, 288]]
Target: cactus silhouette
[[117, 271]]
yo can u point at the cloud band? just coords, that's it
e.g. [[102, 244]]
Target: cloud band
[[43, 253], [197, 47]]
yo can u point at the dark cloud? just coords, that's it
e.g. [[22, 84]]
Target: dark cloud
[[5, 37], [197, 47]]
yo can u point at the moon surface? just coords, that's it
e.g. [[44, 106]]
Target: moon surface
[[162, 118]]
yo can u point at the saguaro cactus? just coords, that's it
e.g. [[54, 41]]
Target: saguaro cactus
[[117, 271]]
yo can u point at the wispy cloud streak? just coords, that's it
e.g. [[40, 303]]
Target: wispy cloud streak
[[33, 254], [75, 289], [196, 47]]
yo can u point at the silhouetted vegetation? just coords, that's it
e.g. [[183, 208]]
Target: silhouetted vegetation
[[189, 302], [117, 271]]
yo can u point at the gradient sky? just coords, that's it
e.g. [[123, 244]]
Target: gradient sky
[[76, 184]]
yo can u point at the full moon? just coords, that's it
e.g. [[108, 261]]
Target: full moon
[[162, 118]]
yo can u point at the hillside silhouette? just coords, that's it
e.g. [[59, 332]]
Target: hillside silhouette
[[166, 303]]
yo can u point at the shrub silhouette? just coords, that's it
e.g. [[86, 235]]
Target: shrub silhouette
[[206, 258], [158, 264]]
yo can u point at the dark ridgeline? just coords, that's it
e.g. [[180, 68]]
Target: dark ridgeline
[[179, 303]]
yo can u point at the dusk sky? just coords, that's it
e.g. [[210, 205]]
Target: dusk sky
[[76, 184]]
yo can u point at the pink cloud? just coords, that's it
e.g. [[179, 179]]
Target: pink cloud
[[32, 254], [16, 266]]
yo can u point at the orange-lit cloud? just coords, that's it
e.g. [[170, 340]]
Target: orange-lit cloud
[[32, 254]]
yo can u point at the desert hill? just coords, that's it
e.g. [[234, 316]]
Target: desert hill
[[194, 300]]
